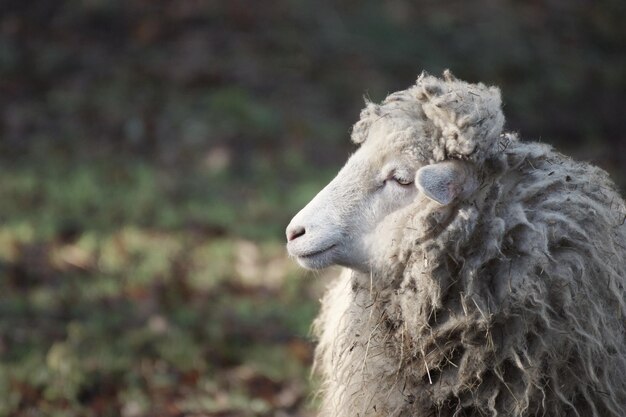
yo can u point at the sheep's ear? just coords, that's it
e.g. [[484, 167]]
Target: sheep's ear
[[445, 182]]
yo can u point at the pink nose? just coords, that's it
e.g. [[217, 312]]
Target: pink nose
[[294, 232]]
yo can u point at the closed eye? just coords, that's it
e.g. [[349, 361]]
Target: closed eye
[[402, 181]]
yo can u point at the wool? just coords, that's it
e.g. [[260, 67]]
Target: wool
[[511, 302]]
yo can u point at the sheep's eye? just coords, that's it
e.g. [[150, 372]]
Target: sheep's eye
[[402, 181]]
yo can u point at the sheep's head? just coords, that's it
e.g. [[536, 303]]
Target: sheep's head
[[419, 152]]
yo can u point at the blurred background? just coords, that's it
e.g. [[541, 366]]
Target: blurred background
[[152, 152]]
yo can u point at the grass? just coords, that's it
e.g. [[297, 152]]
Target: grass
[[132, 289]]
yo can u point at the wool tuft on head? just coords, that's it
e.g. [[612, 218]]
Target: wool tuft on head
[[468, 117], [458, 120]]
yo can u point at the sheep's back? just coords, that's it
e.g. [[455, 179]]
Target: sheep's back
[[525, 305]]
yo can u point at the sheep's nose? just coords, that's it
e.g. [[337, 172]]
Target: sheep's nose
[[294, 232]]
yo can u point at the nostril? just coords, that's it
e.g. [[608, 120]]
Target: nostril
[[295, 232]]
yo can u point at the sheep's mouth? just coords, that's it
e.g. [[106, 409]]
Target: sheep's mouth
[[317, 259], [316, 253]]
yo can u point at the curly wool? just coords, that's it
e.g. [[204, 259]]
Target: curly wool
[[461, 120], [510, 303]]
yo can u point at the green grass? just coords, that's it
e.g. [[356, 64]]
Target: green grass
[[130, 288]]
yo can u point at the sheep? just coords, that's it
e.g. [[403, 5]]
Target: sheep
[[483, 275]]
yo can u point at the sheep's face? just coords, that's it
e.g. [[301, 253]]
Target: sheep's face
[[348, 219], [357, 219]]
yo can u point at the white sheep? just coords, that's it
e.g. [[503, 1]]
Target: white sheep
[[484, 276]]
